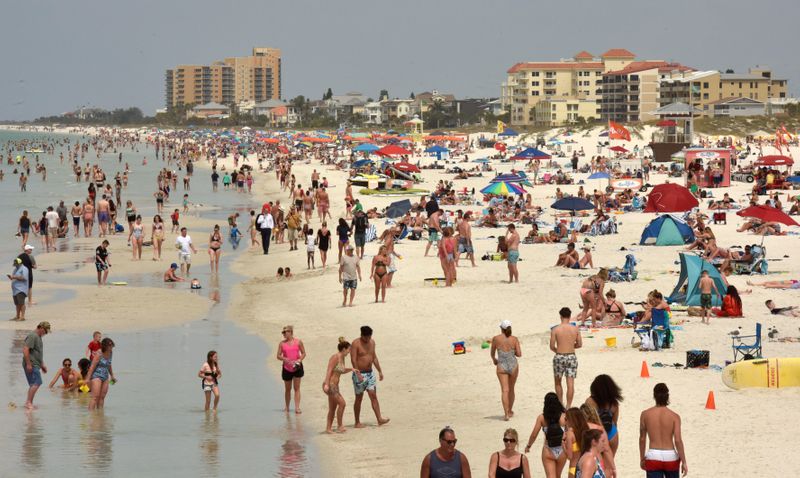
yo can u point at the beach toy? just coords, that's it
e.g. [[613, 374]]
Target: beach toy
[[119, 283], [84, 388], [611, 341], [710, 405], [485, 344], [458, 348], [780, 372], [645, 373]]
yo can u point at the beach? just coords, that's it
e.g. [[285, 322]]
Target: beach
[[426, 387]]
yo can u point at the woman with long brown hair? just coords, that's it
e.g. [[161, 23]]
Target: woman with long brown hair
[[210, 374]]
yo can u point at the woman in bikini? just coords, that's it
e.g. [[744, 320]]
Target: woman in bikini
[[137, 241], [378, 273], [157, 236], [336, 403], [594, 443], [215, 249], [130, 214], [507, 348], [308, 206], [614, 310], [88, 217], [592, 297], [576, 424], [553, 422], [323, 204], [447, 256], [605, 399]]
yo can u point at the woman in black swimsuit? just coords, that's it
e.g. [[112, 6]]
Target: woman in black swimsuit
[[215, 249], [323, 242], [379, 272]]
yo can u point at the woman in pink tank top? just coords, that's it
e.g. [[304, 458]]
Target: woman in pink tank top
[[291, 353]]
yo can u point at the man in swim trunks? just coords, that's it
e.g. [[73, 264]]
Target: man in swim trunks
[[349, 274], [185, 250], [791, 311], [564, 339], [103, 215], [706, 285], [662, 427], [464, 238], [101, 263], [363, 358], [512, 242]]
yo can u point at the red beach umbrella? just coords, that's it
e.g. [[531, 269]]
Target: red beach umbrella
[[670, 197], [618, 149], [406, 167], [500, 146], [768, 214], [393, 150], [774, 160]]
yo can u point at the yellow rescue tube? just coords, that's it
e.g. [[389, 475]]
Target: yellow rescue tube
[[764, 373]]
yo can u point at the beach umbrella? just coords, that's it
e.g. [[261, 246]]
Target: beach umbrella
[[398, 209], [774, 160], [482, 160], [361, 163], [530, 153], [511, 178], [572, 203], [767, 214], [437, 150], [603, 134], [618, 149], [366, 148], [599, 175], [500, 146], [508, 132], [405, 167], [670, 197], [393, 150], [502, 189]]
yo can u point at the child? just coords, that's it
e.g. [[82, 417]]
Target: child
[[287, 273], [175, 224], [311, 243], [279, 274], [185, 203], [94, 346], [706, 285]]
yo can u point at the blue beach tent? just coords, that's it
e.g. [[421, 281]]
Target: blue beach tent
[[667, 230], [691, 268]]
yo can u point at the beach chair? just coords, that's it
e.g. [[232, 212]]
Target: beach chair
[[757, 266], [402, 235], [747, 351], [627, 273], [662, 335], [720, 217]]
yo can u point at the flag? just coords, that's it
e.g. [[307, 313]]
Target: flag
[[617, 131], [500, 126]]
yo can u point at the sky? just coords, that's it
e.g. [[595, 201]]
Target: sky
[[57, 56]]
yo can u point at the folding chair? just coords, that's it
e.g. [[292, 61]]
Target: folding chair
[[746, 351], [662, 336]]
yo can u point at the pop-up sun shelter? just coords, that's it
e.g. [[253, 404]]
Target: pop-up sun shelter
[[691, 268], [667, 230]]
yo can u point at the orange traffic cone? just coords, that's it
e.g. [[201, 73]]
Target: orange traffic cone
[[710, 405], [645, 373]]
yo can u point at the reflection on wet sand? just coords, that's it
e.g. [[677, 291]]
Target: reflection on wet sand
[[97, 441], [209, 443], [293, 460], [32, 443]]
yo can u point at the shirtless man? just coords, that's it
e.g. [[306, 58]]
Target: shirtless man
[[569, 257], [103, 215], [464, 239], [434, 229], [663, 427], [564, 339], [298, 196], [512, 241], [363, 358], [706, 285], [314, 179]]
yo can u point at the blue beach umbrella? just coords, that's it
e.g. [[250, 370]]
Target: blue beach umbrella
[[599, 175], [361, 163], [572, 203], [437, 150], [366, 148]]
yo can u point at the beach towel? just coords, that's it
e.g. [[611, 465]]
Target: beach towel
[[371, 233]]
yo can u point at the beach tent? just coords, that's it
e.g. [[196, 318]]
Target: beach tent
[[691, 268], [667, 230], [530, 153]]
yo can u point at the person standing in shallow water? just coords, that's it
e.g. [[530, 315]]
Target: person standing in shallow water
[[291, 353], [330, 386], [210, 374], [363, 359], [101, 374]]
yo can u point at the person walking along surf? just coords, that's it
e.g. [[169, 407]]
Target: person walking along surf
[[291, 353], [564, 339], [363, 358], [33, 361], [101, 374], [504, 352], [210, 374], [330, 386]]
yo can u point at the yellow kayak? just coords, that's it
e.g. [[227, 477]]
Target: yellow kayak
[[763, 373]]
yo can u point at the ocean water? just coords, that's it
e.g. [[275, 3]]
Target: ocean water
[[153, 423]]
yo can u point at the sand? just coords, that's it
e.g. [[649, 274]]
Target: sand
[[427, 387]]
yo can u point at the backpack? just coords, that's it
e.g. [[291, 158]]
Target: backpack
[[554, 435], [259, 221], [606, 418]]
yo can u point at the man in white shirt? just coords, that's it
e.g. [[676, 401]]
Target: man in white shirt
[[265, 223], [52, 228], [185, 250]]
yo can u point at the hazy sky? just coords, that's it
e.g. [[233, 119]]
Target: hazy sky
[[59, 55]]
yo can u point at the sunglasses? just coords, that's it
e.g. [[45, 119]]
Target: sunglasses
[[509, 440], [285, 331], [450, 442]]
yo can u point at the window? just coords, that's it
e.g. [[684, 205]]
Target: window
[[705, 84], [554, 107], [534, 83], [535, 73], [553, 116], [705, 96], [534, 93]]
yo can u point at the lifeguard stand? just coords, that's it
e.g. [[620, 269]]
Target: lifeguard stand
[[416, 125], [676, 129]]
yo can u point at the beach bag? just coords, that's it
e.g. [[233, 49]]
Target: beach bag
[[647, 343]]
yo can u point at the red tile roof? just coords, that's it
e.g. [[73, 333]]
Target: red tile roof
[[559, 65], [617, 53], [636, 66], [584, 54]]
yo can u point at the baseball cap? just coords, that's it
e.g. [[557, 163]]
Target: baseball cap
[[173, 266], [505, 324], [28, 247], [45, 325], [349, 247]]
